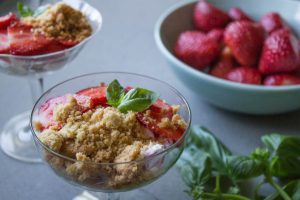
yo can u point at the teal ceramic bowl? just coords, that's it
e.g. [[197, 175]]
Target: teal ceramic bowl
[[232, 96]]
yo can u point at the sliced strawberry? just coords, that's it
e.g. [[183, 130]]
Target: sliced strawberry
[[238, 15], [224, 65], [68, 43], [6, 20], [158, 111], [281, 79], [208, 17], [197, 49], [246, 75], [24, 42], [46, 109], [97, 94], [280, 53], [4, 44]]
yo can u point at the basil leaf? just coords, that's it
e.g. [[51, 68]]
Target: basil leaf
[[114, 93], [286, 160], [40, 10], [244, 167], [208, 143], [24, 10], [137, 100], [272, 141]]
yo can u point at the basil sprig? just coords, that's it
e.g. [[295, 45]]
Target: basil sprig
[[137, 99], [211, 171], [26, 11]]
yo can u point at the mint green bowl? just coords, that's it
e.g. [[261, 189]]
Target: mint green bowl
[[232, 96]]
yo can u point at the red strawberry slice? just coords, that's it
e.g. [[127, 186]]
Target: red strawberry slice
[[272, 22], [246, 75], [97, 95], [207, 17], [4, 44], [245, 39], [24, 42], [238, 15], [6, 20], [196, 49], [158, 111], [280, 53], [281, 79], [68, 43], [46, 109], [224, 65]]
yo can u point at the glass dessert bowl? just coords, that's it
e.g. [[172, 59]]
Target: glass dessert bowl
[[102, 174], [15, 138]]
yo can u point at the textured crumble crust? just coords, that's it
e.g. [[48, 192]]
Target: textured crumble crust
[[62, 22], [104, 135], [101, 135]]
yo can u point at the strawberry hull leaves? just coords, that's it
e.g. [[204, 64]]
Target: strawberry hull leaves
[[206, 163]]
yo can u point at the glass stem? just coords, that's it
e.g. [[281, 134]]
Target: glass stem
[[112, 196], [36, 87]]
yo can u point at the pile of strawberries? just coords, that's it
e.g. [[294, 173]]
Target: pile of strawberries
[[17, 38], [239, 49]]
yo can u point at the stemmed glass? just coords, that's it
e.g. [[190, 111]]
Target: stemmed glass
[[15, 138], [109, 179]]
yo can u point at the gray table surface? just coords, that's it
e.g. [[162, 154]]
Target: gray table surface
[[125, 43]]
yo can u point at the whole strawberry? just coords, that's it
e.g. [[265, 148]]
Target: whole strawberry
[[245, 39], [216, 34], [224, 65], [196, 49], [281, 79], [237, 14], [272, 21], [208, 17], [248, 75], [280, 53]]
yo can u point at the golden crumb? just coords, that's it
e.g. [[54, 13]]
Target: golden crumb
[[62, 22]]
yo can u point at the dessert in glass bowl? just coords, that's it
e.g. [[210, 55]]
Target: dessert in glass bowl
[[35, 44], [107, 137]]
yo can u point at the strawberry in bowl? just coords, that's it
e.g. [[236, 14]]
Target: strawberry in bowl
[[255, 64]]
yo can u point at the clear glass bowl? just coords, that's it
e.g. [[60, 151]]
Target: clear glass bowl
[[15, 138], [113, 177]]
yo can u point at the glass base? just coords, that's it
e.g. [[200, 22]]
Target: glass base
[[16, 139], [132, 195]]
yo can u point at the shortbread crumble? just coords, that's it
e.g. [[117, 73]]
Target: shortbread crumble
[[62, 22]]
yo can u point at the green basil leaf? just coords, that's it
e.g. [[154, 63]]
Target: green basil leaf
[[40, 10], [244, 167], [272, 141], [24, 10], [286, 160], [137, 100], [207, 142], [114, 93]]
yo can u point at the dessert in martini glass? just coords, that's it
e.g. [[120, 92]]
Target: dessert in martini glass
[[111, 132], [37, 42]]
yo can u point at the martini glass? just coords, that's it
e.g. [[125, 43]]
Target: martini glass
[[113, 180], [15, 138]]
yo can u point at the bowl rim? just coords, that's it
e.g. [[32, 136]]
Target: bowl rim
[[67, 49], [179, 141], [200, 74]]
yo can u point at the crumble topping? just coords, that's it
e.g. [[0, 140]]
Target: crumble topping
[[61, 21]]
